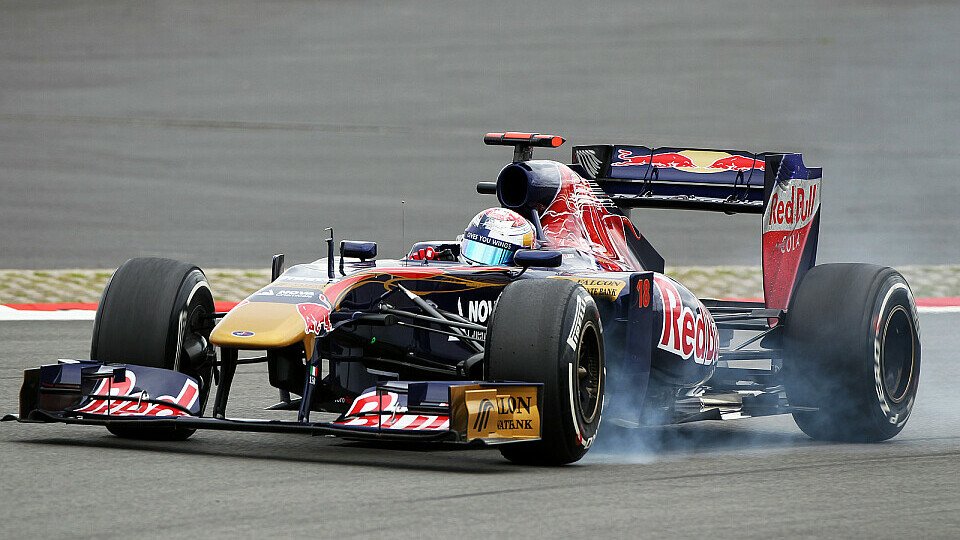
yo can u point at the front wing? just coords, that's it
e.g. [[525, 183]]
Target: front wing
[[91, 393]]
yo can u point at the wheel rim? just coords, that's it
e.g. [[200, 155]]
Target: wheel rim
[[897, 354], [589, 372], [195, 325]]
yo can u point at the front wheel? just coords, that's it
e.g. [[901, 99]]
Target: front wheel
[[156, 313], [852, 351], [548, 331]]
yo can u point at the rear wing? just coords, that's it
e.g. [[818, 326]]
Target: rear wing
[[776, 185], [692, 179]]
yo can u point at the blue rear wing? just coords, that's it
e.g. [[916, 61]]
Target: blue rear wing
[[683, 178]]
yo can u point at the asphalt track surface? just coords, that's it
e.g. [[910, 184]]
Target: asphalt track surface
[[224, 132], [755, 478]]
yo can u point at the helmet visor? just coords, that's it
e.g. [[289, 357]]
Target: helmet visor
[[485, 254]]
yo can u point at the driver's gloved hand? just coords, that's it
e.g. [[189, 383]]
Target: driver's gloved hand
[[424, 254], [430, 254]]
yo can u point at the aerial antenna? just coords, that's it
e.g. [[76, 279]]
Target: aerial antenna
[[403, 225]]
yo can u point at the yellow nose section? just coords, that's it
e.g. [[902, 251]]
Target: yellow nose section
[[260, 325]]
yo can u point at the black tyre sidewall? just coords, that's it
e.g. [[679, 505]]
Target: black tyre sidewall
[[893, 415]]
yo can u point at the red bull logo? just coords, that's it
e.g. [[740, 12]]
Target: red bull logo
[[737, 163], [685, 333], [676, 160], [793, 208], [628, 159], [668, 159], [671, 160], [316, 315]]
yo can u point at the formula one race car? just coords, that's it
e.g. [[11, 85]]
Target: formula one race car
[[528, 350]]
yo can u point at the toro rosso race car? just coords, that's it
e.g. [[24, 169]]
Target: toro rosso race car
[[551, 312]]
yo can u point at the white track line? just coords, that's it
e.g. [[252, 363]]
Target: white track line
[[10, 314], [939, 309]]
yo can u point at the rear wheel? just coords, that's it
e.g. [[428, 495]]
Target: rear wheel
[[156, 313], [852, 349], [548, 331]]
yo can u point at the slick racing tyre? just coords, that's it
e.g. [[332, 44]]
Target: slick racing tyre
[[156, 313], [548, 331], [852, 350]]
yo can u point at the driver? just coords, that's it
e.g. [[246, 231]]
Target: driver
[[494, 235]]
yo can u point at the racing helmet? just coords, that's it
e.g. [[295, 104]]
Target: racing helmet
[[494, 235]]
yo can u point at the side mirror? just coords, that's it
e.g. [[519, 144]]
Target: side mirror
[[276, 266], [358, 250], [542, 258]]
